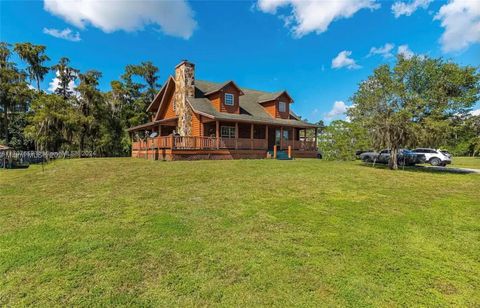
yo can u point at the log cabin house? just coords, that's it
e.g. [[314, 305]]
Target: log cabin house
[[194, 119]]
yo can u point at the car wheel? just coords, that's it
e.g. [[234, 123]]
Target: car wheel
[[435, 161]]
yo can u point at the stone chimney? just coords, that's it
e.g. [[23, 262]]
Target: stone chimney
[[184, 87]]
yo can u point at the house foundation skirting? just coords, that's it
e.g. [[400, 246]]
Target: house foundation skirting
[[169, 154]]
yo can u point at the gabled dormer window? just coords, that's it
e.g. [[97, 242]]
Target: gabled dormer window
[[229, 99], [282, 106]]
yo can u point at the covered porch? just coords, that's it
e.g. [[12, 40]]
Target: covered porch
[[227, 137]]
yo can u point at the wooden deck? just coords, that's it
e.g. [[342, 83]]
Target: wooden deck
[[193, 147]]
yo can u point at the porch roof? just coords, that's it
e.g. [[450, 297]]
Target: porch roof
[[150, 124], [256, 114]]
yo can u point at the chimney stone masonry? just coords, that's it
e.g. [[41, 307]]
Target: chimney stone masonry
[[184, 87]]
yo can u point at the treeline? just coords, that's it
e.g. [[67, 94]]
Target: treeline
[[77, 116], [419, 102]]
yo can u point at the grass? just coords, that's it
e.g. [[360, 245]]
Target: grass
[[466, 162], [99, 232]]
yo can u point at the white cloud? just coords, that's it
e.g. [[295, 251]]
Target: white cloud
[[173, 17], [66, 34], [461, 20], [385, 51], [55, 83], [343, 60], [400, 8], [314, 16], [405, 51], [339, 108], [475, 112]]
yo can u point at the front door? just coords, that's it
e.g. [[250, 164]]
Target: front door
[[275, 137], [278, 136], [272, 137]]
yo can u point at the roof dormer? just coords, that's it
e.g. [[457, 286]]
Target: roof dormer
[[277, 104], [224, 97]]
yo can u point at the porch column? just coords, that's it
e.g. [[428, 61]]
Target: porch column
[[236, 135], [293, 137], [266, 136], [316, 131], [202, 133], [281, 137], [251, 136], [217, 133]]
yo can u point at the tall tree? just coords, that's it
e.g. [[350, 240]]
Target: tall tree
[[148, 72], [138, 86], [14, 92], [34, 56], [398, 105], [90, 108], [115, 140], [66, 77], [50, 115]]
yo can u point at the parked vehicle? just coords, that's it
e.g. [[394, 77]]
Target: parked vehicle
[[446, 153], [360, 152], [435, 157], [404, 158]]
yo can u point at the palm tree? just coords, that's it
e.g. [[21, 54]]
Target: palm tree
[[34, 56]]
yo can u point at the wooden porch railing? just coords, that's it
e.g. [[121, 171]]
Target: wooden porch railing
[[211, 143], [299, 145]]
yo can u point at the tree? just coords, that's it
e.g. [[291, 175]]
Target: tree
[[90, 108], [35, 57], [50, 115], [66, 76], [148, 72], [134, 94], [408, 104], [14, 92], [341, 139], [18, 140]]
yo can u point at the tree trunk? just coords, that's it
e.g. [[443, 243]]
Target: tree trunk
[[393, 162]]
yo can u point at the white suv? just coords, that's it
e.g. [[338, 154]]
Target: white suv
[[435, 157]]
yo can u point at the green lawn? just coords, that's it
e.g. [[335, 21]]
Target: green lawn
[[466, 162], [98, 232]]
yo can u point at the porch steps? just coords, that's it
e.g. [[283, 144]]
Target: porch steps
[[281, 155]]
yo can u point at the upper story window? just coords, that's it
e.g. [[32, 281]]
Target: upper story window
[[282, 106], [229, 99]]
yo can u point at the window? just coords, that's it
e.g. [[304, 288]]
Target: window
[[282, 106], [227, 131], [229, 99]]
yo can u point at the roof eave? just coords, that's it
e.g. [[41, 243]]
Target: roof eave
[[276, 97], [223, 86], [139, 127], [158, 93], [258, 121]]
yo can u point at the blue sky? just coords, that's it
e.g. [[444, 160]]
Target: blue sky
[[318, 50]]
